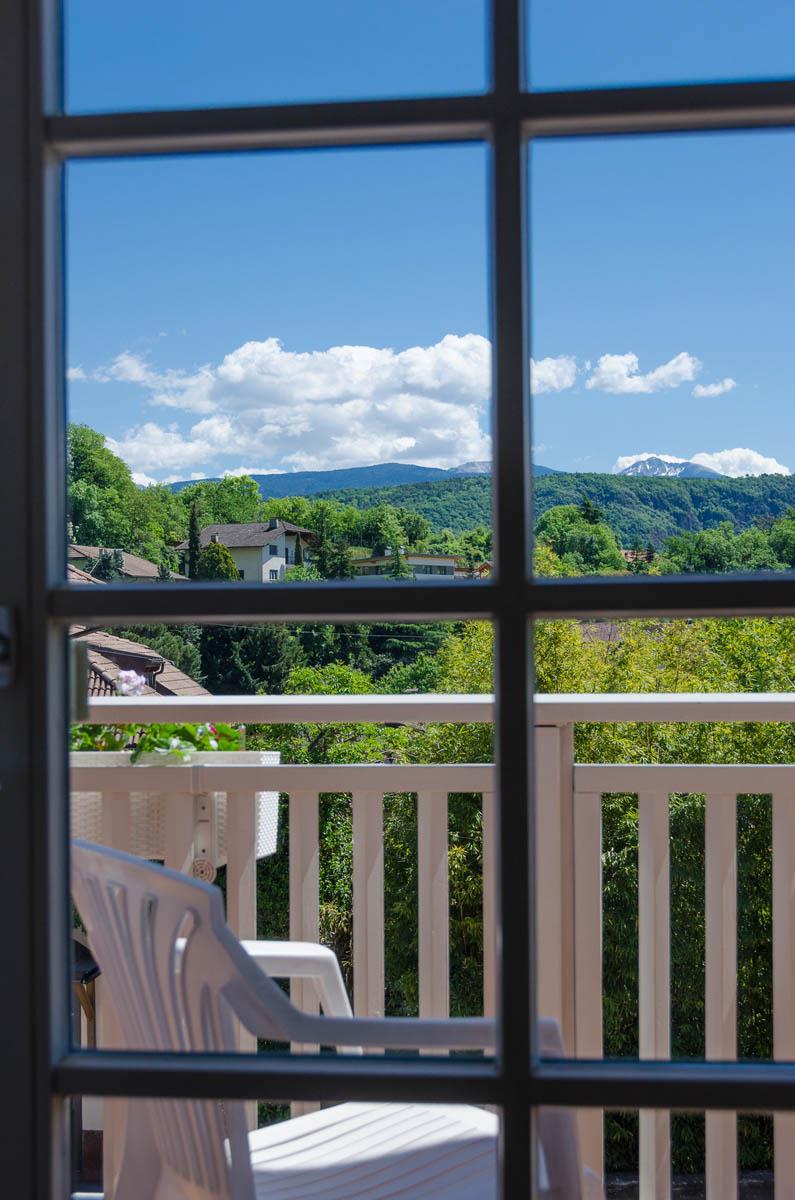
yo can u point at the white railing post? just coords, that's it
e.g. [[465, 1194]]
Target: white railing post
[[654, 981], [117, 820], [720, 1000], [489, 852], [587, 965], [304, 886], [178, 831], [116, 832], [433, 904], [304, 902], [368, 904], [241, 865], [553, 939], [241, 892], [784, 980]]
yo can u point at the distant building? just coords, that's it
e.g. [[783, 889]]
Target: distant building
[[632, 556], [481, 571], [420, 564], [133, 568], [262, 550]]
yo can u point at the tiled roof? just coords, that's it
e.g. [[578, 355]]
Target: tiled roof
[[409, 556], [76, 575], [132, 566], [248, 533], [108, 654]]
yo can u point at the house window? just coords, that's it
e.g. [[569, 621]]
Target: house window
[[273, 574], [273, 550], [35, 877]]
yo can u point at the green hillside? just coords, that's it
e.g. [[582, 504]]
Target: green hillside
[[646, 509]]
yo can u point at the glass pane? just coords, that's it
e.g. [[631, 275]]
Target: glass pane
[[250, 333], [176, 55], [575, 45], [661, 311], [336, 783], [663, 754], [743, 1154], [303, 1149]]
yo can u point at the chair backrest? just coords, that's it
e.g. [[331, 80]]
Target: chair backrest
[[177, 978]]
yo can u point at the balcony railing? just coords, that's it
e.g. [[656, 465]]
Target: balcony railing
[[569, 868]]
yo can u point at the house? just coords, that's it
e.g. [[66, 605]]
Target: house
[[262, 550], [420, 564], [481, 571], [635, 556], [133, 568]]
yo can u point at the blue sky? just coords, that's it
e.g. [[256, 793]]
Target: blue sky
[[299, 310]]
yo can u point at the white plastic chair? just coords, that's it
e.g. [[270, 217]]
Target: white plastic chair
[[178, 980]]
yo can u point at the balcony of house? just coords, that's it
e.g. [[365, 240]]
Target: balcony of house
[[222, 810]]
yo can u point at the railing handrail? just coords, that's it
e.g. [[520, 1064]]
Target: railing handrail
[[384, 778], [737, 779], [558, 709]]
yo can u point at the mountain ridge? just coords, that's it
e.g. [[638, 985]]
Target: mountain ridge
[[662, 468], [310, 483], [647, 508]]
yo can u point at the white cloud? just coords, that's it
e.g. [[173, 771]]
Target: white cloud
[[626, 460], [618, 373], [740, 461], [346, 406], [553, 374], [714, 389], [151, 447], [141, 479], [76, 375], [235, 471]]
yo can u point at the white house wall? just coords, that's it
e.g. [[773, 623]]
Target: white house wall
[[248, 559]]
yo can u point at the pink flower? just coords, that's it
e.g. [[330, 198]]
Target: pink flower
[[130, 683]]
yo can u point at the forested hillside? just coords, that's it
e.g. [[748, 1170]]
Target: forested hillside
[[645, 510]]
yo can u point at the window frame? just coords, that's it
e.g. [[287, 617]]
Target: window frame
[[38, 138]]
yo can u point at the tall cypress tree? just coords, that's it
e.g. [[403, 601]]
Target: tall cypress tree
[[194, 541]]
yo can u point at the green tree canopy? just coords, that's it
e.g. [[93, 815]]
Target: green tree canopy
[[216, 562], [234, 499], [587, 546]]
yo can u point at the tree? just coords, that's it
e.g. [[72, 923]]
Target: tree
[[247, 659], [109, 565], [215, 562], [100, 490], [308, 574], [782, 537], [177, 643], [299, 551], [399, 568], [586, 546], [194, 541], [227, 501], [590, 512], [380, 529], [416, 528]]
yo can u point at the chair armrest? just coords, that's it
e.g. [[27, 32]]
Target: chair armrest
[[338, 1027], [305, 960]]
